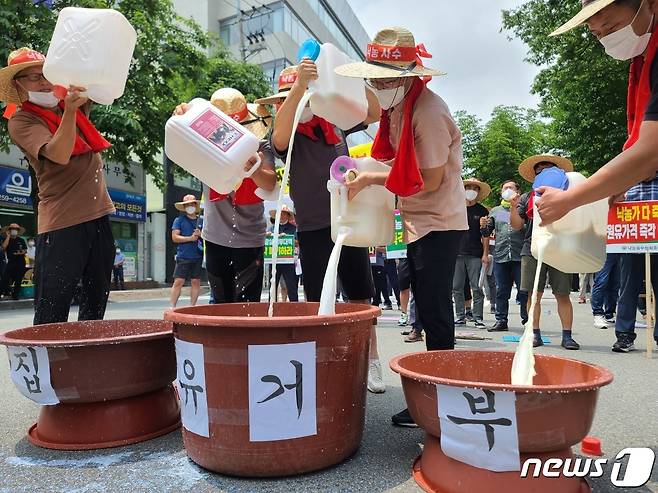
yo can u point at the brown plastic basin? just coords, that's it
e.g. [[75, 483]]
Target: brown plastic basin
[[555, 413], [226, 331], [112, 377]]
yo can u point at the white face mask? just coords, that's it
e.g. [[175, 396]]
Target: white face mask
[[624, 44], [13, 233], [30, 244], [388, 98], [471, 195], [45, 99], [118, 251], [306, 116], [191, 210], [508, 194]]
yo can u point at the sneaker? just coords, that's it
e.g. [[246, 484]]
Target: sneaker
[[403, 320], [492, 310], [469, 316], [524, 321], [600, 322], [403, 418], [414, 336], [375, 383], [610, 319], [623, 345], [480, 324], [406, 331], [500, 326], [460, 321], [537, 341], [386, 306], [570, 344]]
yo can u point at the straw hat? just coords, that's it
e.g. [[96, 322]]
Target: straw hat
[[393, 53], [284, 208], [485, 189], [17, 60], [5, 230], [188, 200], [589, 9], [254, 117], [527, 167], [287, 78]]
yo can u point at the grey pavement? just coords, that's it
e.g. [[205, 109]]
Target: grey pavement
[[626, 417]]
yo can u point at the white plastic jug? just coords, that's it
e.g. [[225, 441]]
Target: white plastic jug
[[211, 146], [338, 99], [91, 48], [576, 243], [370, 215]]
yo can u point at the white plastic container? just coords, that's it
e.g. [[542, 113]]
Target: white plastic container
[[338, 99], [577, 242], [370, 215], [211, 146], [91, 48]]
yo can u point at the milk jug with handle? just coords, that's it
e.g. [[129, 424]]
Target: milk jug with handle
[[211, 145], [371, 214], [577, 242], [91, 48], [338, 99]]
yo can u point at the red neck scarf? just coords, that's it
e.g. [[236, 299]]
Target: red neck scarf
[[244, 195], [308, 129], [91, 140], [405, 178], [639, 90]]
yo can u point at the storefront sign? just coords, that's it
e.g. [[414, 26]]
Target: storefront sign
[[129, 206], [286, 249], [15, 187], [633, 227], [397, 249]]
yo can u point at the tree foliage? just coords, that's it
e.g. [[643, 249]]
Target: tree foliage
[[582, 90]]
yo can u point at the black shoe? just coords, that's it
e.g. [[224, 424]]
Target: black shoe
[[623, 345], [492, 310], [499, 327], [524, 321], [537, 341], [469, 316], [570, 344], [387, 306], [403, 418], [460, 321], [480, 324]]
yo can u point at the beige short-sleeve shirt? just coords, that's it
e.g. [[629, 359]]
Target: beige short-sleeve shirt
[[437, 141], [68, 194]]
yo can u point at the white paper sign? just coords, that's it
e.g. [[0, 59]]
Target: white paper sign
[[478, 427], [30, 371], [191, 384], [282, 391]]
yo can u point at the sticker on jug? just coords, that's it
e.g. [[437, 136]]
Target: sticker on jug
[[191, 384], [216, 130], [282, 391], [478, 427], [30, 371]]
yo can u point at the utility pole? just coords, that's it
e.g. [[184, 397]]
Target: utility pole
[[243, 55]]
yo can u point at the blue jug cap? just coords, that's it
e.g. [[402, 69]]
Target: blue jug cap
[[552, 177], [308, 49]]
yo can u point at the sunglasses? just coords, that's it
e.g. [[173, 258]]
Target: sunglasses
[[32, 77]]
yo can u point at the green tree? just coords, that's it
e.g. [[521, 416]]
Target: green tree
[[582, 90], [493, 151]]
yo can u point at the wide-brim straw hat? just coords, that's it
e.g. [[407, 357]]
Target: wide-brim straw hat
[[5, 230], [254, 117], [17, 61], [527, 167], [393, 53], [188, 200], [589, 9], [284, 208], [287, 78], [485, 189]]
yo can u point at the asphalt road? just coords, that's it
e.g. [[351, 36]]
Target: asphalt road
[[626, 417]]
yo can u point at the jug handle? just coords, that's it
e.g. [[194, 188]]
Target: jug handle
[[342, 193], [253, 169]]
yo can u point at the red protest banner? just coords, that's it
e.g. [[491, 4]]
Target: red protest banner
[[633, 227]]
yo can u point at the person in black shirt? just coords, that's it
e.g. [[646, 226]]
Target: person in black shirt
[[473, 253], [287, 271], [15, 248]]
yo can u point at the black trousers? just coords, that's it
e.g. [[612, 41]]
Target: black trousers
[[117, 272], [84, 252], [381, 286], [393, 281], [235, 274], [290, 277], [11, 282], [432, 260]]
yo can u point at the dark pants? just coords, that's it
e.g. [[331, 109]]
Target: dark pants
[[632, 274], [11, 282], [391, 269], [235, 274], [432, 260], [506, 274], [117, 273], [64, 258], [381, 287], [605, 291], [290, 278]]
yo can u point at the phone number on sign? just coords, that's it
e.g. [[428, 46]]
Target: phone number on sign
[[13, 200]]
